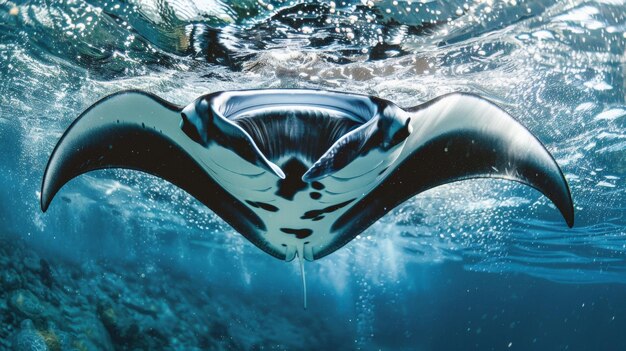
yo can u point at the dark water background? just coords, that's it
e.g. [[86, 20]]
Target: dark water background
[[126, 261]]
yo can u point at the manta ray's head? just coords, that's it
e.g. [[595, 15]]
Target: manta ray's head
[[323, 132]]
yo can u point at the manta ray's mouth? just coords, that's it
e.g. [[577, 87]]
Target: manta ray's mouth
[[287, 124], [283, 132]]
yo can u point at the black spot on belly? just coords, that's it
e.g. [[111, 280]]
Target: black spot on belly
[[292, 184], [315, 195], [299, 233], [383, 171], [317, 185], [263, 205], [316, 213]]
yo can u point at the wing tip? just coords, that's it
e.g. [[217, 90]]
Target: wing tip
[[570, 221], [45, 198], [561, 196], [44, 195], [568, 210], [566, 203], [44, 205]]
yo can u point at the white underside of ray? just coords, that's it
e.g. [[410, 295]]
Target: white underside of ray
[[364, 173], [250, 183], [143, 110], [304, 216], [452, 114], [247, 181], [234, 174]]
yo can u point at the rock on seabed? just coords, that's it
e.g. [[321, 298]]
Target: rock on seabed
[[49, 304]]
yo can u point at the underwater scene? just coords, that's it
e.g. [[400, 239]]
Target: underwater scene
[[126, 260]]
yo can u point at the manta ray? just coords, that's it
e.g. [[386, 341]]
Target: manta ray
[[298, 172]]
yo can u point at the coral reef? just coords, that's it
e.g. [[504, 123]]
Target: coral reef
[[54, 305]]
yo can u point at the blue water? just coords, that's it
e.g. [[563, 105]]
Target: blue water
[[125, 261]]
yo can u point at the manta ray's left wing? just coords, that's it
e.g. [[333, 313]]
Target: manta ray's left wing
[[140, 131], [456, 137]]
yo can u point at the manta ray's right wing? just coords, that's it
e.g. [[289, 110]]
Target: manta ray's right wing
[[456, 137], [140, 131]]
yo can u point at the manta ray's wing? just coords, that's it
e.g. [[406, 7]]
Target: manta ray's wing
[[140, 131], [456, 137]]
